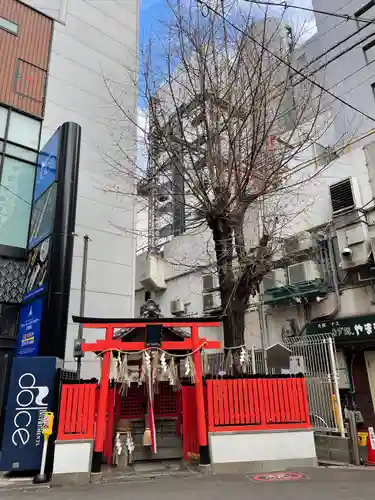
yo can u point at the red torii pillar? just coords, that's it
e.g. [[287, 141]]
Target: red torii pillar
[[194, 344]]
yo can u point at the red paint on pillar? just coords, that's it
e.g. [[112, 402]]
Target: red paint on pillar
[[199, 395], [103, 396]]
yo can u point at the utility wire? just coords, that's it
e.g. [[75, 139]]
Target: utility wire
[[321, 22], [285, 5], [335, 58], [280, 59], [327, 63], [335, 46]]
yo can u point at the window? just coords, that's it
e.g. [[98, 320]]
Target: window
[[17, 172], [30, 81], [18, 177], [7, 25], [17, 182], [3, 121], [367, 11], [369, 52], [24, 130], [21, 153], [14, 219]]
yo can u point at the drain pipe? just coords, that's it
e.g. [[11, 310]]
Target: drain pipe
[[335, 283], [78, 349], [336, 289]]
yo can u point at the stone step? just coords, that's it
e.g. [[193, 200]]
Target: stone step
[[162, 454]]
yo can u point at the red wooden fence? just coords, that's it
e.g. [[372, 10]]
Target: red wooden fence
[[77, 412], [258, 404], [189, 423]]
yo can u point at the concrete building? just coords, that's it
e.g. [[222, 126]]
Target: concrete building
[[323, 281], [59, 58], [343, 201]]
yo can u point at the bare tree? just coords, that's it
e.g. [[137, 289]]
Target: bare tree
[[229, 134]]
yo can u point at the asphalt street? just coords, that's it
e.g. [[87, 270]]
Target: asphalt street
[[320, 483]]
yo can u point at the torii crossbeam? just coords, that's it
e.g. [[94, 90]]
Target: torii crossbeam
[[110, 344]]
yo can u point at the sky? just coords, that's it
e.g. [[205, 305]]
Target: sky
[[151, 13], [154, 10]]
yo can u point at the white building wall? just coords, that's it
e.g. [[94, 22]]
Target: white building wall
[[311, 201], [95, 42], [350, 76]]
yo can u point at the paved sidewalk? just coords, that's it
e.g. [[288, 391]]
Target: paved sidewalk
[[322, 484]]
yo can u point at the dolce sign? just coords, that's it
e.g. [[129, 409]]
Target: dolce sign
[[30, 397]]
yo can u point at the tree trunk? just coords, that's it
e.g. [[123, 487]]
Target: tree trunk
[[234, 293], [233, 311]]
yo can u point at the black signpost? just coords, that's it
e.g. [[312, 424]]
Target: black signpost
[[55, 322], [43, 328]]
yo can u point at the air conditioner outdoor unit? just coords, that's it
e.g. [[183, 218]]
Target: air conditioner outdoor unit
[[152, 276], [211, 301], [177, 306], [298, 243], [345, 196], [274, 279], [210, 282], [303, 272], [354, 245]]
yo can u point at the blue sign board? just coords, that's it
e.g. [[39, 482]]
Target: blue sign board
[[42, 216], [30, 396], [29, 328], [47, 164], [37, 270]]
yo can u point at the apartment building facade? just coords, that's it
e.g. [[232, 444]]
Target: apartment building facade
[[59, 61], [323, 277]]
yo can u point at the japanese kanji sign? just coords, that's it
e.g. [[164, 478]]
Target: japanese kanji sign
[[350, 328]]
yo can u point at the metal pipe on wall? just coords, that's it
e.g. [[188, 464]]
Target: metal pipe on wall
[[80, 355]]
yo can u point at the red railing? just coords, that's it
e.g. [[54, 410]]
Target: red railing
[[257, 404], [77, 412]]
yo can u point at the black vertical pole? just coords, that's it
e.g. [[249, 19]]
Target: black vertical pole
[[53, 334]]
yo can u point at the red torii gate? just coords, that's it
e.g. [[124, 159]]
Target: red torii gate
[[109, 344]]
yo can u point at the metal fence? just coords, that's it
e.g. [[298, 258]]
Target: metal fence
[[219, 363], [313, 356]]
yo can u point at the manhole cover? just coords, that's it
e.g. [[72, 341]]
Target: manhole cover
[[277, 476]]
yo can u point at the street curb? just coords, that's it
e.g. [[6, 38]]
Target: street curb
[[19, 487], [348, 467]]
